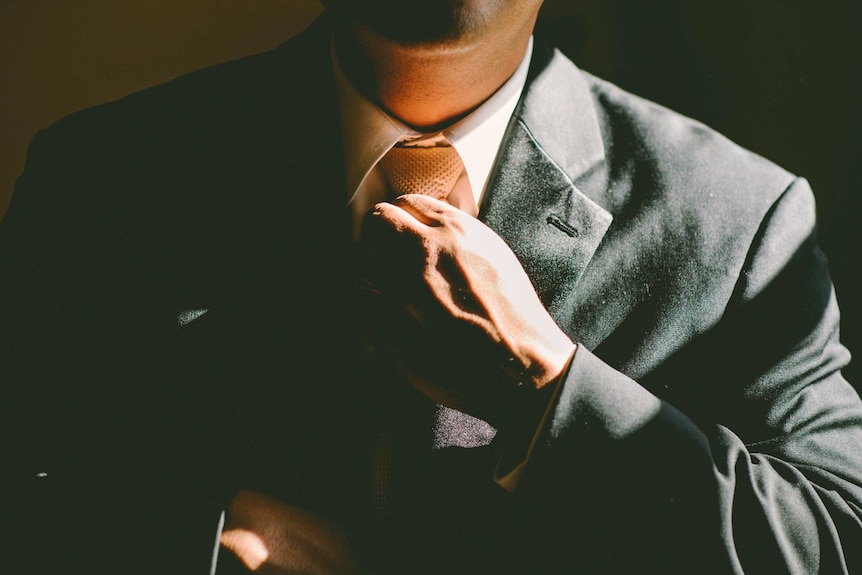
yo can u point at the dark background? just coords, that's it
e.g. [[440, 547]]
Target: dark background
[[781, 77]]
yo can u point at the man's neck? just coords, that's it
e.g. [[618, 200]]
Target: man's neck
[[428, 87]]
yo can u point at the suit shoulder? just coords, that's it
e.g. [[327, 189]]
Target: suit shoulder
[[705, 197], [684, 155], [187, 104], [162, 137]]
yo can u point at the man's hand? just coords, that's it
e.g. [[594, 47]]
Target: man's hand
[[273, 538], [483, 330]]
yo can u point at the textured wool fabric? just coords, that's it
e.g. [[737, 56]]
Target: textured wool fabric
[[431, 171]]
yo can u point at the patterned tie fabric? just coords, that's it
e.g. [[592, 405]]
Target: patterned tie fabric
[[431, 171]]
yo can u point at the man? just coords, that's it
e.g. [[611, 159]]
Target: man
[[608, 346]]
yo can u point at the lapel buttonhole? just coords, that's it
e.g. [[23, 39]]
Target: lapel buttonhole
[[562, 225]]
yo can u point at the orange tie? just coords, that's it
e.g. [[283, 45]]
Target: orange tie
[[431, 171]]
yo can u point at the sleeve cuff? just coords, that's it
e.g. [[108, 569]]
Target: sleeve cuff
[[517, 452]]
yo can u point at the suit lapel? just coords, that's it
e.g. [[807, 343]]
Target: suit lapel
[[531, 202]]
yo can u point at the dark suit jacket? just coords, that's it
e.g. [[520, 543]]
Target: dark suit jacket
[[179, 322]]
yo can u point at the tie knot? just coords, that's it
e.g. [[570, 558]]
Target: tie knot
[[431, 171]]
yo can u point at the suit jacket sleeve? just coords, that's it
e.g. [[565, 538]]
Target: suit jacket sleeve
[[652, 489]]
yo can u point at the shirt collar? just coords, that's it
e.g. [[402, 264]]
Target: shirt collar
[[368, 132]]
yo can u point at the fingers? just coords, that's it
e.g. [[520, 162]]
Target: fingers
[[248, 546], [397, 218], [275, 537], [405, 211]]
